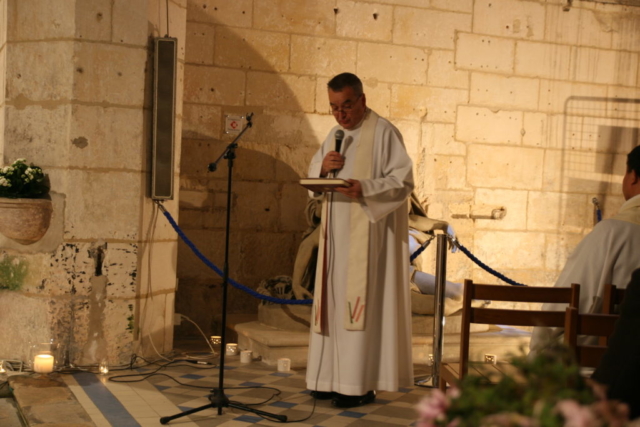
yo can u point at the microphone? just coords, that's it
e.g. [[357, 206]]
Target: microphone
[[339, 135]]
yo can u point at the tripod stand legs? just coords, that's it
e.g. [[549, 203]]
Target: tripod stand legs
[[165, 420], [219, 400]]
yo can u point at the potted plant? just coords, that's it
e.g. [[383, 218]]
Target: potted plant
[[25, 207], [545, 391]]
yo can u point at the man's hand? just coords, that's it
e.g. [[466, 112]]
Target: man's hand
[[332, 161], [354, 191]]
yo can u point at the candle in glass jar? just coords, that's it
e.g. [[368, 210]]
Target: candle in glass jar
[[43, 363], [232, 349], [104, 367], [216, 342]]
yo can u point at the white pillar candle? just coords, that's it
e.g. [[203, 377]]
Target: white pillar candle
[[43, 363], [245, 356], [284, 364]]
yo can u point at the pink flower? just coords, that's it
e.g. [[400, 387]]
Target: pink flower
[[576, 415], [453, 393], [432, 408]]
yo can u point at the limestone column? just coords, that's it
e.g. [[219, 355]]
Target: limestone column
[[3, 58], [79, 91]]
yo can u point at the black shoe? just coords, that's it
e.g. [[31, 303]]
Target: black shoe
[[322, 395], [344, 401]]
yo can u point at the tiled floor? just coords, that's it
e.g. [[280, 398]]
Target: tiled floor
[[143, 399]]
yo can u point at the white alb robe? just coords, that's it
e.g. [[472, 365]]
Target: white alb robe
[[378, 357], [607, 255]]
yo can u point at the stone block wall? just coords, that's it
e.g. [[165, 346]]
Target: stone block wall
[[78, 103], [3, 63], [524, 105]]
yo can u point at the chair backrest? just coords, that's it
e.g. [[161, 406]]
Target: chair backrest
[[594, 324], [493, 316], [611, 299]]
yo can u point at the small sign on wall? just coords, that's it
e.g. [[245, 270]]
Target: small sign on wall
[[233, 124]]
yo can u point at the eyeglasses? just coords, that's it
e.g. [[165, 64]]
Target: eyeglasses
[[344, 108]]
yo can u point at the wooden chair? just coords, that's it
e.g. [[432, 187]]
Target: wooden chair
[[611, 300], [452, 372], [594, 324]]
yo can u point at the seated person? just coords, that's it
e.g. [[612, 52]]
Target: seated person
[[607, 255]]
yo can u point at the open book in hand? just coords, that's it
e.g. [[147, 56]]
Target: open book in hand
[[323, 185]]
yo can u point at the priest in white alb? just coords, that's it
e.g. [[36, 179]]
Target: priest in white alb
[[607, 255], [360, 338]]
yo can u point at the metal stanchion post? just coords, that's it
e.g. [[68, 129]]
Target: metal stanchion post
[[438, 313]]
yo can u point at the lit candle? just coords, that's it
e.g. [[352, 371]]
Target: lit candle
[[216, 342], [104, 367], [284, 364], [43, 363], [232, 349]]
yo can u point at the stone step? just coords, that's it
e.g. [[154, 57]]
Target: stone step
[[45, 400], [271, 343], [9, 415]]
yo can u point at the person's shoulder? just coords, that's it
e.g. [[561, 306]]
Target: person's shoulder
[[616, 224], [615, 229], [385, 123], [386, 127], [604, 226]]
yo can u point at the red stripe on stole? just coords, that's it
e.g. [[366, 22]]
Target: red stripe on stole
[[360, 312], [355, 309]]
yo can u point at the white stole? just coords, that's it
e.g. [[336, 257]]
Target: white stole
[[358, 267]]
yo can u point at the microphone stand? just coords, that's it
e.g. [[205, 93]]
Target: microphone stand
[[217, 396]]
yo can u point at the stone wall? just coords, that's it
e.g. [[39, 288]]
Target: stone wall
[[3, 65], [78, 99], [526, 106]]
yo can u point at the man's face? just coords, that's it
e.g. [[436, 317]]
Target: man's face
[[628, 183], [347, 107]]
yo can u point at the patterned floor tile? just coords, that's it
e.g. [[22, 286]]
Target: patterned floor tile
[[251, 386]]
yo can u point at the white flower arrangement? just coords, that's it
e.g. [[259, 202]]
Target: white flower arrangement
[[22, 180]]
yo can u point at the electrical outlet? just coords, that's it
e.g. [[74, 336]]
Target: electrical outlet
[[490, 358], [177, 319], [431, 360]]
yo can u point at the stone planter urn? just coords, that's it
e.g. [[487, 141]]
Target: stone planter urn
[[25, 220]]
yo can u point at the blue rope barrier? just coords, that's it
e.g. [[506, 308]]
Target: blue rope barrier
[[485, 266], [274, 300], [596, 207], [221, 273], [418, 252]]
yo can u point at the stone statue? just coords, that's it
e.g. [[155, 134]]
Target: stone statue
[[422, 230]]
